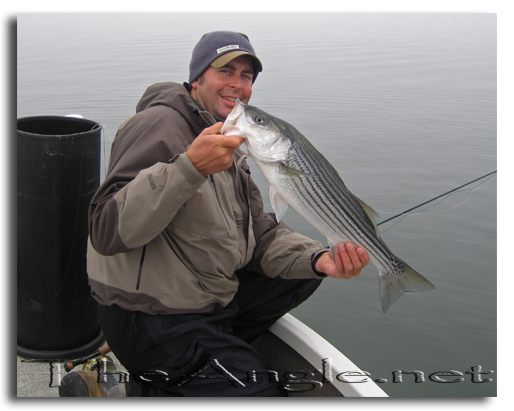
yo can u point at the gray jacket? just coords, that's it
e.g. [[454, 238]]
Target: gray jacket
[[165, 239]]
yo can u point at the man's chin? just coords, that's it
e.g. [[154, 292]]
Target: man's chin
[[222, 114]]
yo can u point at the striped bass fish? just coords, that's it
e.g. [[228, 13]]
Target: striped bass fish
[[300, 177]]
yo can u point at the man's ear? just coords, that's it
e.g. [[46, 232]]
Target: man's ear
[[194, 87]]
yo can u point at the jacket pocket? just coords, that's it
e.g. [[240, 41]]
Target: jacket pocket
[[219, 201], [140, 272]]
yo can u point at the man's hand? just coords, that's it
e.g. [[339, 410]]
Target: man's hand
[[211, 152], [349, 261]]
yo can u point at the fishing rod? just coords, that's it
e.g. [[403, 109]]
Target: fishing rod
[[101, 351], [435, 198]]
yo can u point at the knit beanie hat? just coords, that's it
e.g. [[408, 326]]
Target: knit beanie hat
[[217, 49]]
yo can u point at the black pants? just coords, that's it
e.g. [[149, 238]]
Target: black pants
[[206, 354]]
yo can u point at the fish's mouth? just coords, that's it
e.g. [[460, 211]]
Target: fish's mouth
[[229, 127], [238, 109]]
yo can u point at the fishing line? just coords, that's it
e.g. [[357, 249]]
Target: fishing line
[[455, 206], [106, 141], [406, 212], [424, 211]]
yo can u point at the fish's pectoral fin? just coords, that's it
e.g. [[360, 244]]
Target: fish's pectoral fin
[[290, 171], [278, 203], [332, 244]]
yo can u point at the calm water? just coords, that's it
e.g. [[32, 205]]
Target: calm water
[[403, 105]]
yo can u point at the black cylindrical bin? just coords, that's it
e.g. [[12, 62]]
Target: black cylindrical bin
[[58, 167]]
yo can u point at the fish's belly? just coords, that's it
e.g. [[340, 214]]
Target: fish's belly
[[300, 194]]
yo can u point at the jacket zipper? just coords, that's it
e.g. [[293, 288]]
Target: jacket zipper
[[242, 197], [219, 202], [141, 267]]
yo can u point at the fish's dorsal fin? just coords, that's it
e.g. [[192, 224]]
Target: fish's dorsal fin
[[370, 213], [278, 203]]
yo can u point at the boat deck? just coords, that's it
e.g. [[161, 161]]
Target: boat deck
[[34, 379], [40, 378], [294, 353]]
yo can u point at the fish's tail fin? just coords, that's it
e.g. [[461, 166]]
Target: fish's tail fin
[[394, 285]]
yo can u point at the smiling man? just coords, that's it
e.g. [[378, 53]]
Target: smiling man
[[219, 87], [186, 266]]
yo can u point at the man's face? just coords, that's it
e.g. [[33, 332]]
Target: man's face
[[218, 88]]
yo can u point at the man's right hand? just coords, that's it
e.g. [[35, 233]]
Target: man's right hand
[[211, 152]]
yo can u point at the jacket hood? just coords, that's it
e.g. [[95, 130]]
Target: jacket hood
[[168, 94]]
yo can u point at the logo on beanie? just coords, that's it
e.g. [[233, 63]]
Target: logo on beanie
[[222, 49]]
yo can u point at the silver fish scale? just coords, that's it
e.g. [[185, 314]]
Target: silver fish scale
[[328, 201]]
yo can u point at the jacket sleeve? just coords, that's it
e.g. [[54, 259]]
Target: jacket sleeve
[[150, 177], [280, 251]]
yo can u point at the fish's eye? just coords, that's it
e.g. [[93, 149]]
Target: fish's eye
[[259, 120]]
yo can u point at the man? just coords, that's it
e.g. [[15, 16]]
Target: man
[[186, 266]]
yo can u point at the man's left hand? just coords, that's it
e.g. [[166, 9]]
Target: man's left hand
[[348, 261]]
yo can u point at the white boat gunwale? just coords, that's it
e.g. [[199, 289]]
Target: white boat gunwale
[[314, 349]]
